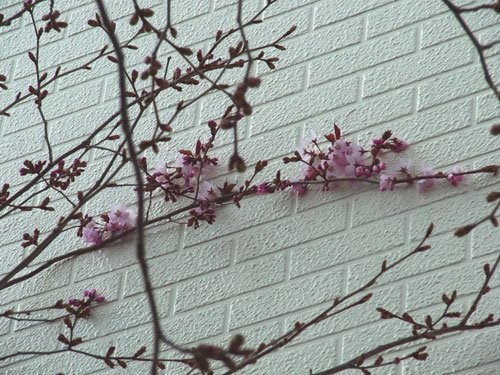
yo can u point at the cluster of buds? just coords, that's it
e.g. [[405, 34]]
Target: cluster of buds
[[142, 14], [32, 168], [153, 67], [62, 176], [81, 307], [240, 94], [52, 22]]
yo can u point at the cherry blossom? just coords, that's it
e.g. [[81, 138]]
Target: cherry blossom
[[455, 179], [428, 183]]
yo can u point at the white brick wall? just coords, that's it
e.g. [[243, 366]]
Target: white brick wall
[[369, 65]]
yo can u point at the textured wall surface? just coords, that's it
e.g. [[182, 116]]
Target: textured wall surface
[[369, 65]]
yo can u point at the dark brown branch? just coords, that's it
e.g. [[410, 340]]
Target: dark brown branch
[[484, 289], [479, 47], [8, 21], [329, 312], [406, 340], [141, 256]]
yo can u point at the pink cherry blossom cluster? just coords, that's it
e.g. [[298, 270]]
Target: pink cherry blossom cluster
[[118, 220], [346, 161], [338, 162], [189, 174]]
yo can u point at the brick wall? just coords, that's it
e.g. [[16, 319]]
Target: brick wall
[[369, 65]]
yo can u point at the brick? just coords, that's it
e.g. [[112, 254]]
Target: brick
[[328, 12], [254, 335], [20, 144], [342, 247], [303, 105], [316, 356], [189, 32], [483, 180], [401, 13], [233, 281], [369, 337], [374, 206], [124, 314], [78, 124], [362, 56], [285, 299], [189, 9], [369, 66], [196, 325], [489, 304], [485, 240], [265, 146], [108, 286], [320, 42], [40, 338], [456, 84], [283, 7], [446, 223], [375, 111], [463, 352], [444, 27], [248, 215], [487, 107], [445, 119], [181, 265], [11, 256], [77, 16], [263, 239], [466, 278], [446, 250], [424, 64], [390, 298], [58, 52], [466, 143], [273, 27], [160, 240], [490, 369], [277, 84]]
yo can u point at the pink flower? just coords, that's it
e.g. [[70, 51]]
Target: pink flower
[[121, 219], [206, 188], [299, 189], [191, 171], [306, 145], [425, 184], [91, 235], [359, 171], [399, 145], [90, 293], [455, 179], [386, 183], [262, 188], [159, 174], [378, 142]]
